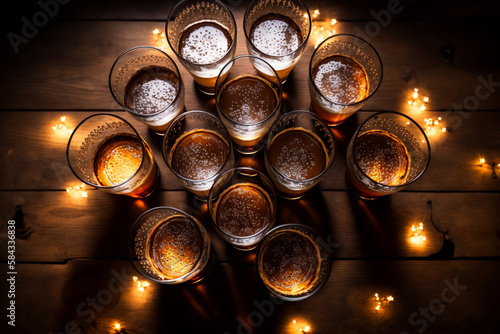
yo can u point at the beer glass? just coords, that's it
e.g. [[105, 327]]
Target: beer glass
[[277, 31], [293, 262], [106, 152], [386, 153], [197, 148], [248, 103], [300, 148], [344, 72], [202, 34], [169, 246], [242, 204], [146, 83]]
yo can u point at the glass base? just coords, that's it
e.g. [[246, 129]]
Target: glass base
[[205, 90], [355, 191], [247, 150], [205, 271]]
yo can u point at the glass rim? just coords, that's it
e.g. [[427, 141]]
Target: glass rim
[[317, 241], [355, 138], [304, 42], [151, 48], [144, 151], [367, 44], [274, 196], [209, 114], [330, 161], [131, 237], [229, 49], [280, 91]]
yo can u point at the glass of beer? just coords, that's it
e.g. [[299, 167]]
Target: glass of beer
[[300, 148], [248, 103], [202, 34], [293, 262], [386, 153], [242, 204], [344, 72], [106, 152], [146, 83], [169, 246], [197, 148], [277, 31]]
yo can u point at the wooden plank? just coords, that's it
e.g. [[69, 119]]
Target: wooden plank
[[352, 10], [92, 295], [64, 75], [68, 226], [31, 146]]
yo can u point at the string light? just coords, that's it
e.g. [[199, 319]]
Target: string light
[[62, 126], [300, 327], [160, 39], [431, 125], [415, 100], [416, 235], [79, 189], [141, 285], [117, 327], [322, 29], [382, 301], [490, 164]]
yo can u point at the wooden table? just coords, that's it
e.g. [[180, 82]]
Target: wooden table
[[73, 273]]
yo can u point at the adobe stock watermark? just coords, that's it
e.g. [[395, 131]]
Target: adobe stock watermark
[[382, 19], [265, 308], [436, 306], [482, 92], [30, 28], [88, 308]]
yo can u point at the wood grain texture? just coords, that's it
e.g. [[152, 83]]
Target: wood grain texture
[[67, 226], [360, 10], [50, 71], [30, 145], [94, 294]]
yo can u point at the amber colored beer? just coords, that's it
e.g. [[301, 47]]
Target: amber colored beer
[[199, 155], [204, 42], [118, 159], [174, 247], [290, 263], [382, 157], [298, 155], [276, 35], [152, 89], [243, 209], [247, 100], [341, 80]]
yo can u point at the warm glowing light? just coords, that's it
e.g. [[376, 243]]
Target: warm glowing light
[[299, 326], [482, 160], [141, 285], [118, 327], [160, 39], [415, 235], [431, 125], [62, 126], [78, 189], [322, 28], [416, 101], [382, 301]]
